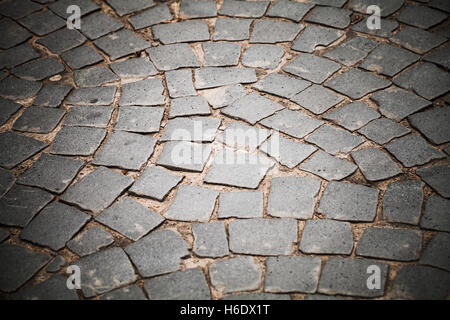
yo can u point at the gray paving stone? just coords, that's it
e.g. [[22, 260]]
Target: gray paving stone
[[54, 288], [179, 83], [265, 56], [242, 136], [437, 178], [238, 169], [388, 60], [281, 85], [144, 92], [198, 9], [437, 252], [17, 55], [21, 203], [157, 14], [447, 150], [351, 51], [420, 283], [323, 297], [257, 296], [39, 119], [439, 56], [330, 16], [51, 172], [42, 22], [387, 7], [433, 124], [290, 10], [314, 36], [391, 244], [125, 150], [241, 204], [81, 141], [232, 29], [293, 197], [287, 152], [121, 43], [130, 218], [273, 31], [62, 40], [13, 34], [421, 16], [17, 148], [81, 57], [105, 271], [387, 26], [92, 96], [413, 150], [293, 123], [188, 106], [97, 190], [417, 40], [7, 179], [218, 54], [155, 182], [52, 95], [185, 31], [123, 8], [60, 7], [327, 237], [435, 215], [375, 165], [94, 77], [139, 119], [173, 56], [39, 69], [90, 241], [235, 274], [198, 129], [18, 9], [269, 237], [292, 274], [440, 4], [18, 265], [210, 239], [223, 96], [188, 284], [312, 68], [212, 77], [353, 116], [317, 99], [184, 155], [54, 226], [87, 116], [349, 202], [331, 3], [132, 292], [383, 130], [250, 9], [402, 202], [7, 109], [98, 24], [334, 140], [252, 108], [134, 68], [203, 198], [328, 167], [356, 84], [158, 253], [18, 89], [348, 276], [56, 265]]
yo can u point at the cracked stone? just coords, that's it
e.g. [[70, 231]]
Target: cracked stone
[[349, 202], [157, 14], [179, 83], [39, 120], [262, 56], [184, 155], [200, 9], [123, 8], [54, 288], [437, 252], [314, 36], [143, 92], [12, 34], [328, 167], [387, 7], [383, 130], [7, 109], [212, 77], [219, 54], [437, 178], [402, 202], [17, 55], [86, 116], [246, 9], [185, 31], [90, 241], [317, 99], [121, 43], [81, 57], [353, 116], [232, 29], [435, 215], [375, 165], [17, 148], [81, 141], [173, 56], [223, 96], [18, 89], [198, 129], [433, 124], [39, 69], [241, 204], [43, 22], [417, 40], [351, 51], [290, 10], [210, 239], [92, 96], [130, 218], [52, 95], [330, 16], [334, 140], [188, 106], [421, 16], [98, 24], [132, 292], [94, 77], [7, 179], [139, 119], [272, 31], [312, 68], [134, 68], [62, 40], [281, 85]]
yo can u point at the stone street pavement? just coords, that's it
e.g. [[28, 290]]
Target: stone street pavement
[[225, 150]]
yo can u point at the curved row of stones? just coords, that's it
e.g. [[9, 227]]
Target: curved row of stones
[[351, 162]]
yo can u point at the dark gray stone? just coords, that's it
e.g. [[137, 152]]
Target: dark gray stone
[[7, 109], [90, 241], [52, 95], [232, 29], [437, 178], [387, 26], [132, 292], [188, 129], [402, 202], [440, 4], [312, 68], [421, 16], [317, 99], [126, 7], [173, 56], [98, 24], [12, 34], [417, 40], [121, 43], [439, 56], [210, 239], [327, 237], [184, 155], [328, 167], [18, 89], [185, 31], [143, 92], [157, 14], [139, 119], [435, 215], [433, 124], [92, 96], [7, 179], [437, 252], [241, 204], [94, 77], [351, 51], [56, 265], [62, 40], [273, 31], [81, 57], [39, 69], [375, 165], [18, 8], [269, 237], [387, 7], [134, 68], [17, 148], [383, 130], [43, 22], [198, 9], [60, 7], [314, 36], [223, 96], [330, 16], [349, 202], [130, 218], [158, 253], [54, 288], [179, 83], [281, 85], [212, 77], [87, 116], [249, 9], [219, 54], [257, 296], [39, 120], [81, 141], [334, 140], [17, 55], [353, 115], [97, 190], [188, 106], [290, 10]]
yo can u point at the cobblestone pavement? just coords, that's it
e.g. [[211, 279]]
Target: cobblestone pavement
[[350, 179]]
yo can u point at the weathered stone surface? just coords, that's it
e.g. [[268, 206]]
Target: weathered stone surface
[[90, 241], [198, 9], [148, 92], [139, 119], [56, 265], [179, 83], [212, 77], [314, 36], [82, 141], [417, 40], [292, 274], [185, 31], [264, 56], [273, 31], [281, 85], [387, 26], [17, 148], [330, 16], [349, 202], [7, 109], [7, 179], [17, 55], [312, 68], [94, 77], [317, 99], [13, 34], [60, 7], [257, 296], [130, 6], [98, 24], [150, 17], [235, 274], [173, 56], [86, 116], [39, 119], [184, 155], [52, 95], [14, 88], [97, 190], [134, 68], [92, 96], [241, 136], [351, 51], [158, 253], [132, 292], [353, 115], [188, 106], [433, 124], [232, 29], [328, 167], [387, 7], [54, 288], [402, 202], [439, 56], [81, 57], [42, 22], [421, 16], [219, 54], [269, 237], [18, 9], [241, 204], [248, 9], [437, 252], [223, 96], [383, 130], [62, 40], [121, 43], [198, 129], [435, 216], [290, 10], [327, 237], [334, 140], [210, 239], [437, 178], [375, 165], [204, 199]]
